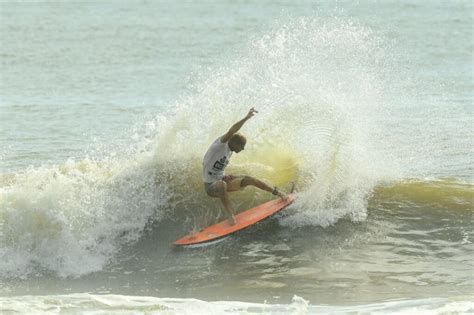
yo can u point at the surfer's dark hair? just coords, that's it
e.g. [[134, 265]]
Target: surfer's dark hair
[[237, 139]]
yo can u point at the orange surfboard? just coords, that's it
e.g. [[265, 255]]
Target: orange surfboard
[[242, 220]]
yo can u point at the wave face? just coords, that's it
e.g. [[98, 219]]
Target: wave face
[[437, 194], [317, 87]]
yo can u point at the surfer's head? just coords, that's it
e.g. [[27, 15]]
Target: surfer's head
[[237, 142]]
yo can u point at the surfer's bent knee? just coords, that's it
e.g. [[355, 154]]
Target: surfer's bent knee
[[247, 180], [215, 189]]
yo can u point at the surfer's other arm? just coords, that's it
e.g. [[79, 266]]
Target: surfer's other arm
[[236, 127]]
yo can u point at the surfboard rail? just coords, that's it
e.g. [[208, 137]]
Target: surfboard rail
[[243, 220]]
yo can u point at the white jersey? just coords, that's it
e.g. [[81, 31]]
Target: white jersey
[[216, 159]]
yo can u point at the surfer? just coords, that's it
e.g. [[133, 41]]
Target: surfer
[[216, 183]]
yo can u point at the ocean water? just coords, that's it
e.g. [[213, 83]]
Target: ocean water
[[107, 108]]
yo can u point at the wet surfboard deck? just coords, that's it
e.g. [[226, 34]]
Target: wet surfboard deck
[[242, 221]]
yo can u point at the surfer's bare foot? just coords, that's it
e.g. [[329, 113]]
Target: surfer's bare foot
[[231, 220], [279, 193], [282, 195]]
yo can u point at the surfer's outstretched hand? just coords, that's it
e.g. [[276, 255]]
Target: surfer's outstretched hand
[[251, 112]]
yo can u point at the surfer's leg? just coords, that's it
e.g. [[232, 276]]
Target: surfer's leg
[[252, 181], [221, 189], [234, 184]]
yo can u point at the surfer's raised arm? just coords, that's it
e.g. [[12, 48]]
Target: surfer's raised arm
[[236, 127]]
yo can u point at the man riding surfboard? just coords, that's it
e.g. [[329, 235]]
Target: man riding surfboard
[[216, 183]]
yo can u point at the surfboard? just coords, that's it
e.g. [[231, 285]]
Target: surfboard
[[242, 221]]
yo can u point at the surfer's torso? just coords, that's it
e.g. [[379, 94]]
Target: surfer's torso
[[215, 161]]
